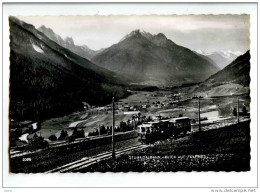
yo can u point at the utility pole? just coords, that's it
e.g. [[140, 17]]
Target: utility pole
[[199, 116], [237, 109], [113, 128]]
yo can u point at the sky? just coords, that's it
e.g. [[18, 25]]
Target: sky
[[208, 33]]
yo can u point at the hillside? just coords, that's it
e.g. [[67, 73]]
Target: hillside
[[154, 60], [83, 51], [234, 79], [238, 72], [208, 59], [47, 80]]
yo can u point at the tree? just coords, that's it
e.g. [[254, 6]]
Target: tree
[[234, 111], [78, 133], [37, 143], [102, 130], [71, 138], [139, 116], [244, 110], [53, 138], [133, 118], [149, 118], [123, 126], [63, 135]]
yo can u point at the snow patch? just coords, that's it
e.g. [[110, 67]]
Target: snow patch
[[229, 54], [37, 48], [24, 137]]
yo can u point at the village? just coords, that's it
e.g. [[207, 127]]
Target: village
[[139, 107]]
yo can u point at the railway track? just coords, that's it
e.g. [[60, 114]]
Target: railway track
[[87, 161], [216, 125], [14, 152]]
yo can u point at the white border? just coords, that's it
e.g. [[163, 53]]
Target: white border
[[179, 179]]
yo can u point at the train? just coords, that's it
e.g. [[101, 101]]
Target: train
[[150, 132]]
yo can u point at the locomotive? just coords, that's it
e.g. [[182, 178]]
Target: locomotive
[[150, 132]]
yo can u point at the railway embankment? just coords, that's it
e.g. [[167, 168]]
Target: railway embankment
[[53, 156]]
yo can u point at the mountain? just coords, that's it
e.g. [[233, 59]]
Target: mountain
[[48, 80], [149, 59], [208, 59], [83, 51], [221, 58], [234, 79], [237, 71]]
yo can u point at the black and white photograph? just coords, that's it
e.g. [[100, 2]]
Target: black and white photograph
[[129, 93]]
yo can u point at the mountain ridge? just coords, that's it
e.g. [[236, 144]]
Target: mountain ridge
[[49, 80], [154, 59], [221, 58], [237, 71], [68, 42]]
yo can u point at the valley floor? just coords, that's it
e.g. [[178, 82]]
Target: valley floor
[[149, 104], [210, 150]]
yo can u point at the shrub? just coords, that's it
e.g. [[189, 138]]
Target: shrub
[[63, 135], [52, 138]]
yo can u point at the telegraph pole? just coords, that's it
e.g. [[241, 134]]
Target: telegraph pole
[[113, 128], [199, 116], [237, 109]]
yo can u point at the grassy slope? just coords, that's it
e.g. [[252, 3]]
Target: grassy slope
[[238, 71], [226, 149], [234, 79]]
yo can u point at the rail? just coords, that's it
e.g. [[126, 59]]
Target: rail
[[87, 161]]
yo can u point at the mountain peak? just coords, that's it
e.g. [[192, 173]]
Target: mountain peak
[[43, 28], [135, 33], [69, 41], [221, 58], [199, 51], [138, 34], [161, 35]]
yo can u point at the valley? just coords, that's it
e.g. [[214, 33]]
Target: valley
[[61, 111]]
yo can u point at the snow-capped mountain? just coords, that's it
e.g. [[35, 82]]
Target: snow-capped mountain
[[221, 58]]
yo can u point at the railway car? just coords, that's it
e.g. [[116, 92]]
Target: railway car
[[146, 131], [180, 125], [159, 130], [152, 131]]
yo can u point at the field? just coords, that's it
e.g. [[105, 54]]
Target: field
[[225, 149], [93, 118], [210, 147]]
